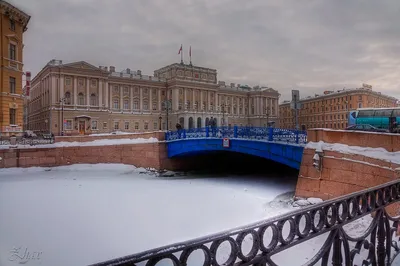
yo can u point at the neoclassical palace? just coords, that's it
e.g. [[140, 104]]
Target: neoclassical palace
[[79, 98]]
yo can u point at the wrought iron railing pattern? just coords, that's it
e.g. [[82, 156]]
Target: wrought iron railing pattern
[[27, 141], [329, 217], [255, 133]]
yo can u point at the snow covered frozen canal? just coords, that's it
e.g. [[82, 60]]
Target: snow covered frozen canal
[[82, 214]]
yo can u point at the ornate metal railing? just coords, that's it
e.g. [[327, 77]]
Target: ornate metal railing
[[27, 141], [376, 246], [256, 133]]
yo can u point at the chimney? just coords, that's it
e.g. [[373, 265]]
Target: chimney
[[112, 68], [139, 72], [128, 71]]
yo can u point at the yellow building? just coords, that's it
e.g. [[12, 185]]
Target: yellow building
[[13, 24]]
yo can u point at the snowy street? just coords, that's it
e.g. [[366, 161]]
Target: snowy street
[[81, 214]]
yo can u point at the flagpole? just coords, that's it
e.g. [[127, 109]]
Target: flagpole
[[190, 55], [181, 54]]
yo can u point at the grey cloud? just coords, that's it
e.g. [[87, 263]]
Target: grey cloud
[[306, 44]]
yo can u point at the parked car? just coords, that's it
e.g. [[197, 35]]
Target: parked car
[[365, 127]]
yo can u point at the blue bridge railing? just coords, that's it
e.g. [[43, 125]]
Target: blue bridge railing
[[237, 132]]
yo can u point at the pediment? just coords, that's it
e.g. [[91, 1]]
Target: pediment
[[81, 65], [14, 38]]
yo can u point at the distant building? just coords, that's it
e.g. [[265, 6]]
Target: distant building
[[330, 109], [79, 98], [14, 23]]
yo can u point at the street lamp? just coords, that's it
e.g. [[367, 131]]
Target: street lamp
[[167, 104], [160, 118], [62, 100]]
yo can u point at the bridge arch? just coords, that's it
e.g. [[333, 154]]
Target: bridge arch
[[284, 153]]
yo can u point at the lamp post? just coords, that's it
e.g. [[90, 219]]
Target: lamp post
[[62, 100], [160, 118], [167, 104]]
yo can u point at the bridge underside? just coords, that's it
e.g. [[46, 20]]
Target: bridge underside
[[283, 153]]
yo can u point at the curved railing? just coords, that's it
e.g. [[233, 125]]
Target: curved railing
[[376, 246], [255, 133]]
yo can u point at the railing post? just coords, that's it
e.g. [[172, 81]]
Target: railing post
[[207, 132], [184, 133], [235, 130], [270, 134], [297, 137]]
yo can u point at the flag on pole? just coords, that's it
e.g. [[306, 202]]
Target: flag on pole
[[180, 50]]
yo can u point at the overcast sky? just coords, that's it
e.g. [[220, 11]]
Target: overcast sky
[[311, 45]]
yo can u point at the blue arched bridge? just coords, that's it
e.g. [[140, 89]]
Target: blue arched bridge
[[281, 145]]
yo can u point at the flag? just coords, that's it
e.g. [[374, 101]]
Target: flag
[[190, 51], [180, 50]]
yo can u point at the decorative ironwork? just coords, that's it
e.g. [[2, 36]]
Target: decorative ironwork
[[376, 246], [28, 141], [256, 133]]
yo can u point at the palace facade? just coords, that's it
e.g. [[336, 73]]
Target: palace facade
[[79, 98], [13, 23]]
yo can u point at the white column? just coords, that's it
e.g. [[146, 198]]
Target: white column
[[53, 90], [110, 98], [186, 121], [184, 99], [151, 100], [215, 102], [87, 92], [100, 92], [107, 98], [276, 107], [262, 106], [61, 86], [193, 98], [121, 97], [131, 93], [270, 106], [175, 99], [159, 99], [141, 99], [201, 102], [75, 91]]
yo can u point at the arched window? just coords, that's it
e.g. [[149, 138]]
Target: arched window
[[116, 103], [145, 105], [67, 97], [93, 99], [199, 122], [126, 104], [81, 99]]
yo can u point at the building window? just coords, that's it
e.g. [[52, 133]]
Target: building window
[[155, 126], [12, 116], [136, 105], [94, 125], [93, 99], [145, 105], [126, 104], [12, 85], [67, 97], [115, 90], [116, 104], [154, 106], [104, 125], [81, 99], [12, 24], [126, 90], [68, 124], [80, 82], [94, 83], [13, 52], [136, 125], [116, 125], [359, 105], [146, 126], [126, 125], [67, 81]]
